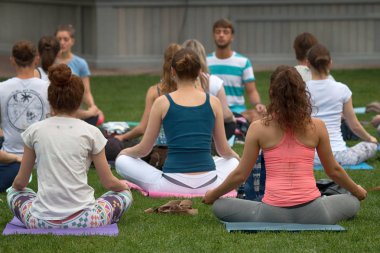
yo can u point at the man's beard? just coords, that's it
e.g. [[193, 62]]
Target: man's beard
[[223, 46]]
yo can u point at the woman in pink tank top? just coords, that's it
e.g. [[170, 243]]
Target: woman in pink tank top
[[288, 137]]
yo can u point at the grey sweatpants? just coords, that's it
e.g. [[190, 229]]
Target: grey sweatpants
[[323, 210], [359, 153]]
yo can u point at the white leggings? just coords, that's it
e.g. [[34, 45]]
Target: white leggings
[[153, 180], [353, 155]]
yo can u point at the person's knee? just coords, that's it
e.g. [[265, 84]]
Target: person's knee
[[219, 208], [372, 148], [127, 198], [121, 163], [341, 207]]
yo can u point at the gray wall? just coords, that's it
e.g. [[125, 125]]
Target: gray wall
[[134, 34]]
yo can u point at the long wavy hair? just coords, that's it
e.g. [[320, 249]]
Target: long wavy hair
[[290, 104], [167, 83]]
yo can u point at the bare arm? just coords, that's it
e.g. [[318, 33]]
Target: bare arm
[[9, 158], [240, 174], [331, 167], [27, 163], [142, 149], [219, 134], [107, 179], [139, 130], [88, 99], [354, 124], [376, 120], [254, 96], [227, 114], [84, 114]]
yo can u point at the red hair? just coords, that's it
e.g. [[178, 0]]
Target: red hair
[[65, 91]]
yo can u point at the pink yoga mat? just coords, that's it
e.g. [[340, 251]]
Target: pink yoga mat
[[231, 194], [17, 227]]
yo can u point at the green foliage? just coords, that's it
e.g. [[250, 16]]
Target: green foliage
[[122, 98]]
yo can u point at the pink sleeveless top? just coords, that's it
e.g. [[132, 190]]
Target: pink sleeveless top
[[289, 173]]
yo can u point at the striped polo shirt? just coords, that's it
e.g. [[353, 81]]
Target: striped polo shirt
[[235, 72]]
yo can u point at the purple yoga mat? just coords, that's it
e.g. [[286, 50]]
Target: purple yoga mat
[[17, 227]]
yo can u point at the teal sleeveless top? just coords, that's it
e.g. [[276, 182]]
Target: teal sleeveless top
[[188, 131]]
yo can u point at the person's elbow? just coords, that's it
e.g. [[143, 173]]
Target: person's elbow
[[334, 173]]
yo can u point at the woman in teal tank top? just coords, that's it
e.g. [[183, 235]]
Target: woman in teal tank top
[[190, 118]]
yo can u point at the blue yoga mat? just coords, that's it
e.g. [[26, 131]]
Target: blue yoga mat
[[359, 110], [132, 123], [360, 166], [268, 226]]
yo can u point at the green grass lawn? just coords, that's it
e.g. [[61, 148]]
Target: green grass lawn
[[122, 98]]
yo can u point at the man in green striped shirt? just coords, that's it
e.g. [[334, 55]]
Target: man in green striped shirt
[[236, 72]]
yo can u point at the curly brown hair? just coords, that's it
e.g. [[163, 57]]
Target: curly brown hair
[[290, 104], [168, 85], [65, 91]]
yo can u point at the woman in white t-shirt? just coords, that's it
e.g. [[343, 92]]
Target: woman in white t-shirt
[[64, 147], [332, 100]]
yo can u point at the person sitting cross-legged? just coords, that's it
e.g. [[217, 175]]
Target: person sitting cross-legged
[[190, 118], [64, 148], [288, 136]]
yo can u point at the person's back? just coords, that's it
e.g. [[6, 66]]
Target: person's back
[[188, 131], [288, 137], [55, 141], [190, 118], [63, 148], [23, 102], [332, 101], [289, 165], [328, 98]]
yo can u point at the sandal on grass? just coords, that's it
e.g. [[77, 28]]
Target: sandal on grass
[[175, 207], [373, 107]]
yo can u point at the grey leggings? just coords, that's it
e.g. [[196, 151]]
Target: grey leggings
[[323, 210], [354, 155]]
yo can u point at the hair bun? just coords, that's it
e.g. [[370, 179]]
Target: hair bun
[[59, 75]]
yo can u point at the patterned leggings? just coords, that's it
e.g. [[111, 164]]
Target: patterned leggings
[[108, 209], [353, 155]]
